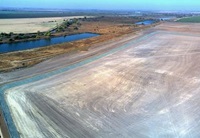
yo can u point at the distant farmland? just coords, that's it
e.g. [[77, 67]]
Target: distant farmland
[[10, 14], [195, 19], [31, 25], [34, 14]]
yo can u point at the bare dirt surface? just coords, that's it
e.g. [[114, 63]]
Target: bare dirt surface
[[145, 87], [180, 27], [31, 25]]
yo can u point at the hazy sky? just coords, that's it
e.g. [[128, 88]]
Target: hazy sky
[[105, 4]]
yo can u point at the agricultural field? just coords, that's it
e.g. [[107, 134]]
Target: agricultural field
[[31, 25], [194, 19]]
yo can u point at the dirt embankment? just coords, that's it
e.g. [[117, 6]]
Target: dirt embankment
[[3, 128]]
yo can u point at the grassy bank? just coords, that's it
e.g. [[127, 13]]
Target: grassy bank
[[194, 19]]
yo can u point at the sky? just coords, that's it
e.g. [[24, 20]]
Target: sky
[[191, 5]]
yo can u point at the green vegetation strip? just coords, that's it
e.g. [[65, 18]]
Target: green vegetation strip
[[194, 19]]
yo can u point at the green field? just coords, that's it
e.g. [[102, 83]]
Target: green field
[[194, 19]]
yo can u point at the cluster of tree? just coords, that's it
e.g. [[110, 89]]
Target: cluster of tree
[[67, 24], [11, 37], [6, 34]]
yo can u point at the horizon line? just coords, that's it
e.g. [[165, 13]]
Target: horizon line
[[83, 9]]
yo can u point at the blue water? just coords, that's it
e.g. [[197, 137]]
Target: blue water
[[166, 18], [146, 22], [11, 47]]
